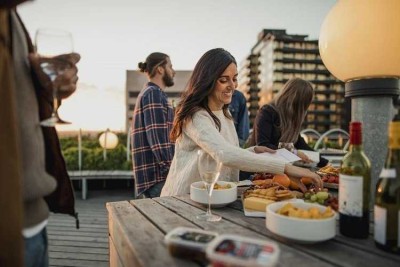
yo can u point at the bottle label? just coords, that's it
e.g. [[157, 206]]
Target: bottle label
[[388, 173], [351, 195], [380, 215], [398, 229]]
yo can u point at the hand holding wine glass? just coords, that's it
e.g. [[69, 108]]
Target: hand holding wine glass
[[209, 168], [287, 146], [58, 70]]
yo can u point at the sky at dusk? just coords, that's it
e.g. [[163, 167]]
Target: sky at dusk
[[113, 36]]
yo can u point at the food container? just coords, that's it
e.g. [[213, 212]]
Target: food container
[[239, 251], [189, 243], [300, 229], [219, 197]]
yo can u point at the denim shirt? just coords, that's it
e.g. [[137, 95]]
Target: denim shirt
[[240, 115]]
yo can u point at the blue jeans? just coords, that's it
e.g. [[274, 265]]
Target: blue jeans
[[155, 190], [36, 250]]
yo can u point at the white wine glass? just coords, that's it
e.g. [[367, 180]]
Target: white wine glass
[[51, 43], [209, 168], [288, 146]]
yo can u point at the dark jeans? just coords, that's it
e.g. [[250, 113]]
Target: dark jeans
[[36, 250], [154, 191]]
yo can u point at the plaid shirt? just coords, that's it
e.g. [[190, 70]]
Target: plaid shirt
[[152, 150]]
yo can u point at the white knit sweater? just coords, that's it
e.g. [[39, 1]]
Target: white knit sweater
[[202, 133]]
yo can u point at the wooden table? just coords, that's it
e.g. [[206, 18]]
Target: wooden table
[[137, 229]]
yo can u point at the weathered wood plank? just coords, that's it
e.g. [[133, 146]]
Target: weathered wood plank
[[331, 251], [77, 263], [115, 260], [78, 256], [93, 220], [289, 256], [77, 244], [80, 238], [61, 229], [137, 241], [72, 225], [77, 233], [169, 219], [84, 250]]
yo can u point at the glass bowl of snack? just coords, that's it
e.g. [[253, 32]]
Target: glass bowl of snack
[[301, 222], [223, 194]]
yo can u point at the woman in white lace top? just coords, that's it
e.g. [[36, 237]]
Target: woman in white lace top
[[202, 121]]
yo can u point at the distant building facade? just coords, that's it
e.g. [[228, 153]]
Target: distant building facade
[[135, 81], [277, 57]]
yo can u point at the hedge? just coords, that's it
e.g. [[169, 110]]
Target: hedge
[[92, 154]]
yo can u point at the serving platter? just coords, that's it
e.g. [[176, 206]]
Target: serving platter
[[331, 186]]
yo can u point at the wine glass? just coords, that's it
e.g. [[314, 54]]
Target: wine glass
[[288, 146], [49, 44], [209, 168]]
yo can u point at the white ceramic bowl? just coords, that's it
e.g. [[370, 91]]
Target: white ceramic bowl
[[219, 197], [297, 229]]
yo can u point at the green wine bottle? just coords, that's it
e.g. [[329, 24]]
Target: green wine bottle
[[354, 188], [387, 196]]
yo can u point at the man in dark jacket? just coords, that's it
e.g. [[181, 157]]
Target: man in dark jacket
[[42, 167]]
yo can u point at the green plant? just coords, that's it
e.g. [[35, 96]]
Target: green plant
[[92, 154]]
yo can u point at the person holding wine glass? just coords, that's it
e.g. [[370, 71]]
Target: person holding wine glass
[[278, 124], [202, 121], [45, 183], [54, 46]]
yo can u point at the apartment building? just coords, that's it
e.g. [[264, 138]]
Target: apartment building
[[274, 59]]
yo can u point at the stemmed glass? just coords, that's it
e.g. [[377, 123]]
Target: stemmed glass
[[51, 43], [209, 168], [288, 146]]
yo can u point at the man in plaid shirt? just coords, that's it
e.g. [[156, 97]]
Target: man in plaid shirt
[[152, 150]]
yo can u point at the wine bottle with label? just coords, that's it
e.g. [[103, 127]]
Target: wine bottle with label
[[387, 196], [354, 188]]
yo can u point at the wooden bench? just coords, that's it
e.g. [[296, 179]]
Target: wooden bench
[[96, 175]]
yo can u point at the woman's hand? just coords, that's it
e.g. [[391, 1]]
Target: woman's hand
[[297, 181], [296, 173], [263, 149], [304, 157]]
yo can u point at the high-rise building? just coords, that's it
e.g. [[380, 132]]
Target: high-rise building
[[135, 81], [277, 57]]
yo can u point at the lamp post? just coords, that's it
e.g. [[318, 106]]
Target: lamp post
[[108, 140], [359, 44]]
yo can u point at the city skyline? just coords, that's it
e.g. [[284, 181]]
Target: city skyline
[[113, 37]]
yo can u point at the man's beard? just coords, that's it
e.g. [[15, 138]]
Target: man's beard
[[168, 80]]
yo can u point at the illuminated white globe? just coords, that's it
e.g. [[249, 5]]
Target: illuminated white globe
[[361, 39], [108, 140]]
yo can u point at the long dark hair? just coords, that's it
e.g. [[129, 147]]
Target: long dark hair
[[201, 84], [291, 103], [153, 61]]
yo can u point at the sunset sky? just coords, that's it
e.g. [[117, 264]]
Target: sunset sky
[[113, 36]]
